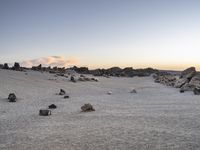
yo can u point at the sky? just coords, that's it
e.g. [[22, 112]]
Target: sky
[[163, 34]]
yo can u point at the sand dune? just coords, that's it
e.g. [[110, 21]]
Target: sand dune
[[156, 118]]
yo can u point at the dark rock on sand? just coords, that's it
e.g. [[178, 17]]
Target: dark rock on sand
[[133, 91], [17, 67], [197, 91], [44, 112], [52, 106], [62, 92], [12, 97], [73, 79], [87, 108], [5, 66], [66, 96]]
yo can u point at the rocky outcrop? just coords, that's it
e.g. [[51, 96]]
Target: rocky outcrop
[[188, 73], [181, 82], [37, 68], [168, 80], [192, 84], [17, 67]]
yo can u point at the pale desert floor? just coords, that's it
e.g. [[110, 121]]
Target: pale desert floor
[[156, 118]]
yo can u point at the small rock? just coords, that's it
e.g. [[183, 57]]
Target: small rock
[[182, 91], [66, 96], [52, 106], [133, 91], [87, 108], [72, 79], [12, 97], [62, 92], [109, 92], [95, 79], [44, 112], [196, 91]]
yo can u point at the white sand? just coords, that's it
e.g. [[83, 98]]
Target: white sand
[[156, 118]]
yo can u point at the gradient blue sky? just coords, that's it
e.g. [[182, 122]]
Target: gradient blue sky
[[102, 33]]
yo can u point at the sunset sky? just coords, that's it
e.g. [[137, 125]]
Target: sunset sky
[[163, 34]]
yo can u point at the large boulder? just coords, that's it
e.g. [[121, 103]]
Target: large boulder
[[188, 73], [180, 82], [16, 67], [5, 66], [196, 91], [194, 82]]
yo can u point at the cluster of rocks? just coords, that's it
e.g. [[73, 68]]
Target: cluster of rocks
[[53, 70], [82, 78], [168, 80], [188, 80], [16, 67], [115, 71]]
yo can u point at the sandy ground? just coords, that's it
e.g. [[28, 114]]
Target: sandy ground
[[156, 118]]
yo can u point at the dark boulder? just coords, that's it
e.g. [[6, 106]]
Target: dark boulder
[[194, 82], [73, 79], [196, 91], [87, 108], [52, 106], [12, 97], [62, 92], [17, 67], [44, 112], [5, 66], [66, 96]]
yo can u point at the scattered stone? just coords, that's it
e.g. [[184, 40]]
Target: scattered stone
[[133, 91], [109, 92], [12, 97], [62, 92], [44, 112], [66, 96], [196, 91], [52, 106], [87, 108]]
